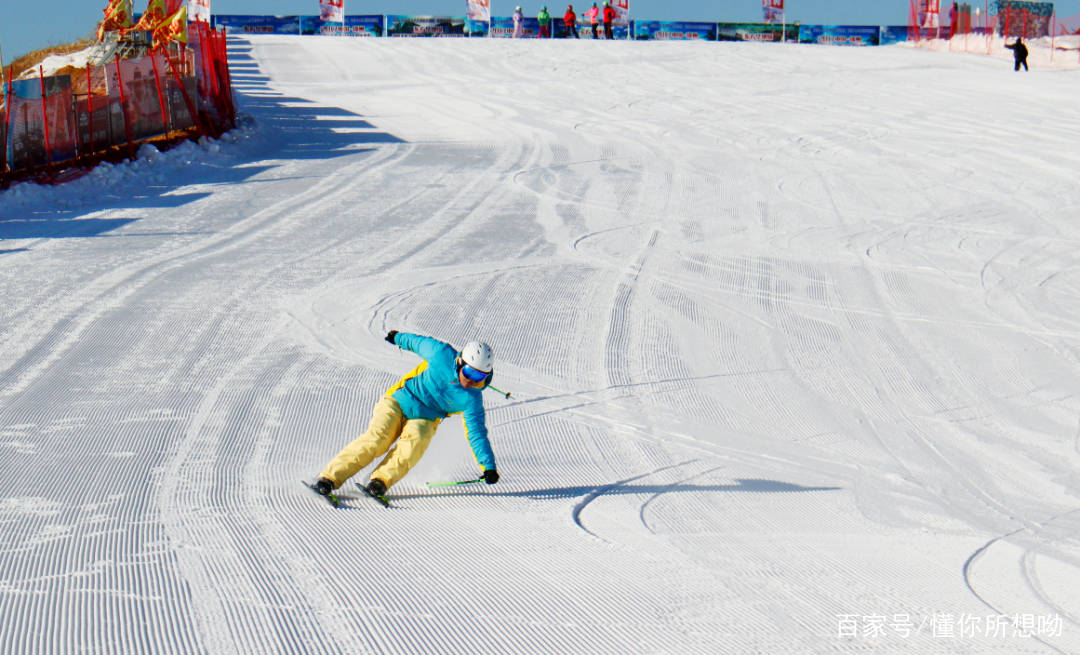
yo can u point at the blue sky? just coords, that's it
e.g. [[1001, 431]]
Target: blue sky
[[63, 21]]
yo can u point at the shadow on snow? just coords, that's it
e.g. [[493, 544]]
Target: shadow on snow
[[297, 129], [581, 491]]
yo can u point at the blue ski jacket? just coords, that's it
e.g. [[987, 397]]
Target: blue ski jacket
[[432, 391]]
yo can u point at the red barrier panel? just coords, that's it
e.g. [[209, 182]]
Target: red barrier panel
[[44, 116], [40, 107], [45, 123], [4, 128]]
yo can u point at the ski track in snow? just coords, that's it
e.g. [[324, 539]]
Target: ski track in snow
[[784, 347]]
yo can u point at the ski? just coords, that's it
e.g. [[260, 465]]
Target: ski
[[453, 484], [382, 500], [330, 498]]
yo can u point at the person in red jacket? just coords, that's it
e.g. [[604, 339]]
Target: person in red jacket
[[570, 20], [609, 17]]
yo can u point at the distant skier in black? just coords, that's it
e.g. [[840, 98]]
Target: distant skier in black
[[1020, 53]]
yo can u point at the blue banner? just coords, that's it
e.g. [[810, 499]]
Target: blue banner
[[476, 27], [760, 32], [858, 35], [893, 34], [353, 26], [424, 26], [30, 89], [502, 27], [618, 32], [654, 30], [241, 24]]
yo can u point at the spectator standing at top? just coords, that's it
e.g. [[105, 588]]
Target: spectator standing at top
[[609, 17], [570, 20], [1020, 53], [954, 15], [593, 14], [544, 18], [519, 23]]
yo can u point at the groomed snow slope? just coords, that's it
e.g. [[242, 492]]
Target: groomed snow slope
[[793, 334]]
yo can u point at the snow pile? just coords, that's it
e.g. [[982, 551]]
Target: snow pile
[[149, 167], [1044, 52], [96, 54]]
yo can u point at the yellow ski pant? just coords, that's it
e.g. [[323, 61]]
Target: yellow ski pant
[[388, 427]]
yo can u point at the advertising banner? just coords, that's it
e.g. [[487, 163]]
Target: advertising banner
[[857, 35], [199, 10], [773, 10], [94, 132], [756, 32], [29, 113], [179, 115], [502, 27], [476, 27], [893, 34], [622, 12], [424, 26], [332, 10], [243, 24], [1024, 18], [586, 30], [478, 10], [26, 138], [140, 94], [653, 30], [351, 26]]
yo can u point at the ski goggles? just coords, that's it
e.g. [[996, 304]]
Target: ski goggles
[[474, 374]]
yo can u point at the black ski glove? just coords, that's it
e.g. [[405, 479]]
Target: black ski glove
[[390, 336], [491, 476]]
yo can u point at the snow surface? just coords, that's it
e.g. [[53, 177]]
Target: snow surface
[[793, 334]]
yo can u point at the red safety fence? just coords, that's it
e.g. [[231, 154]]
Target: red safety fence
[[85, 116], [987, 25], [938, 19], [1065, 35]]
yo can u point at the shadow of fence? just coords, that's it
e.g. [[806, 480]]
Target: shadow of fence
[[285, 128]]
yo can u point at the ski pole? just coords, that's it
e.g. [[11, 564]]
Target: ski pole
[[499, 391], [451, 484]]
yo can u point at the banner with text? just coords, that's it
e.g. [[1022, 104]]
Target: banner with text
[[424, 26], [654, 30], [243, 24], [350, 26], [502, 27], [766, 32], [856, 35]]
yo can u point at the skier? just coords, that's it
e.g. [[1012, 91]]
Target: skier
[[593, 14], [544, 18], [609, 16], [404, 421], [519, 23], [1020, 53], [570, 20]]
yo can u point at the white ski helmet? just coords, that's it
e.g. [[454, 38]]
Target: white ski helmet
[[478, 355]]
